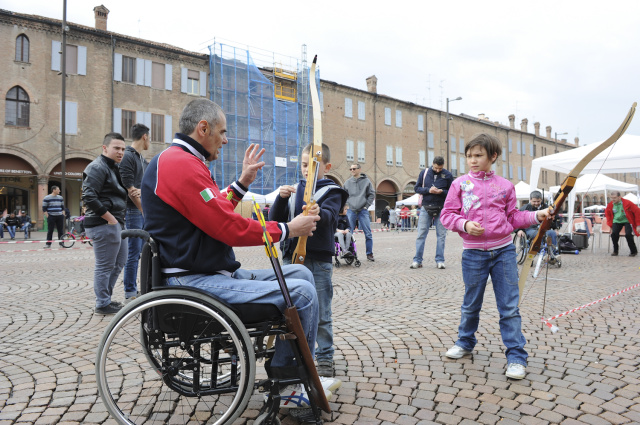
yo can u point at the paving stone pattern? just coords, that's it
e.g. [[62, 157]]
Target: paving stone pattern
[[392, 326]]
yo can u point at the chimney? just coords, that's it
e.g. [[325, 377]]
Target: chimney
[[512, 121], [481, 117], [536, 126], [372, 84], [548, 132], [101, 14], [576, 140], [523, 124]]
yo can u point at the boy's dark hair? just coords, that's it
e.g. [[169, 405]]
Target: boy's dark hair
[[490, 143], [326, 152], [139, 130], [111, 136]]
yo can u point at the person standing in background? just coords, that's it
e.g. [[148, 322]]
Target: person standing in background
[[53, 208]]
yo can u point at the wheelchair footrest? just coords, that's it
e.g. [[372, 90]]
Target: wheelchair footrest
[[305, 416]]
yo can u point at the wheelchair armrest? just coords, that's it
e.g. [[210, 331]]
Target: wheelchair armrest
[[136, 233]]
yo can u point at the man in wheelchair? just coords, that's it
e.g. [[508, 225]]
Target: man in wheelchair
[[195, 227], [535, 204]]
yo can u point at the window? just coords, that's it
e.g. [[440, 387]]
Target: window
[[193, 82], [22, 48], [361, 110], [350, 150], [461, 145], [128, 69], [128, 119], [16, 111], [389, 155], [76, 58], [398, 118], [348, 108], [420, 122], [430, 140], [321, 101], [361, 148], [431, 156], [398, 156], [70, 118], [463, 160], [504, 155], [518, 147], [510, 171], [387, 116], [422, 158], [157, 127], [454, 142], [532, 150], [454, 162], [510, 146], [524, 173], [157, 75], [519, 173], [504, 171]]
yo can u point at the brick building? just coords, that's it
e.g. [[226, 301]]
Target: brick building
[[114, 81]]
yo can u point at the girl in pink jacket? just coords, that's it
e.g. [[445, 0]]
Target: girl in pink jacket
[[481, 206]]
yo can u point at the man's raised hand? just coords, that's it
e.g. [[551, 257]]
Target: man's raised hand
[[251, 164]]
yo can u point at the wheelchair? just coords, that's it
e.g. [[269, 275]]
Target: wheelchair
[[547, 253], [352, 259], [180, 355]]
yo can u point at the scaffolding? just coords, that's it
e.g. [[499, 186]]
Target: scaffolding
[[265, 99]]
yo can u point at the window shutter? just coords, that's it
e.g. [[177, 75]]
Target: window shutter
[[140, 118], [147, 73], [183, 79], [140, 71], [82, 60], [56, 56], [203, 83], [168, 134], [146, 119], [348, 108], [70, 119], [117, 67], [167, 76], [117, 120]]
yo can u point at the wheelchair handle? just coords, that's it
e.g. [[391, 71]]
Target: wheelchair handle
[[136, 233]]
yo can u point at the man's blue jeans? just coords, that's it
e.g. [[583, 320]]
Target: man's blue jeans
[[476, 267], [111, 253], [531, 233], [25, 227], [261, 287], [365, 225], [12, 231], [322, 275], [134, 220], [424, 223]]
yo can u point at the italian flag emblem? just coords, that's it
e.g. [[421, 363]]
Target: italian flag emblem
[[207, 195]]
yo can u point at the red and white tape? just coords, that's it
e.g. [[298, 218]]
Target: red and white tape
[[375, 230], [44, 241], [554, 328]]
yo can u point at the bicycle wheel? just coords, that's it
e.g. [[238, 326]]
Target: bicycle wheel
[[67, 240], [522, 248], [175, 356]]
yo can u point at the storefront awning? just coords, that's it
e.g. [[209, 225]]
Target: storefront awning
[[11, 165]]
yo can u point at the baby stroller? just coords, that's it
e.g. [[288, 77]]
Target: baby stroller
[[349, 257]]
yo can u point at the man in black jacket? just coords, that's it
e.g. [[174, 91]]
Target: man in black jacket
[[433, 184], [105, 198], [131, 169]]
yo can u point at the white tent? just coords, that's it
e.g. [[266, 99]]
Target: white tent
[[622, 157], [250, 196], [523, 190], [590, 183], [631, 197], [270, 197], [412, 200]]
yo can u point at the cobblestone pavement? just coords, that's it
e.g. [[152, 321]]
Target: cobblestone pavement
[[392, 327]]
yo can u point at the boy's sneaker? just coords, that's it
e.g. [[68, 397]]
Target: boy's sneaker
[[457, 352], [325, 368], [515, 371], [109, 309], [441, 265]]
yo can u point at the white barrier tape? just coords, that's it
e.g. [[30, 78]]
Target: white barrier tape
[[554, 328]]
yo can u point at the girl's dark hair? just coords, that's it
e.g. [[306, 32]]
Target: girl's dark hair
[[490, 143]]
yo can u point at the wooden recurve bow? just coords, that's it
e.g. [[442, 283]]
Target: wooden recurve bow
[[315, 157], [561, 196]]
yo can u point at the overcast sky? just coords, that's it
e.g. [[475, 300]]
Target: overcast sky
[[573, 65]]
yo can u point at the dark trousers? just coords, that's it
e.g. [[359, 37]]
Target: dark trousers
[[58, 222], [628, 233]]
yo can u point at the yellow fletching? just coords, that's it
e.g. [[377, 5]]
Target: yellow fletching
[[230, 195]]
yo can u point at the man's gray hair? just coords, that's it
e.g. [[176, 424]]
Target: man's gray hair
[[196, 111], [615, 193]]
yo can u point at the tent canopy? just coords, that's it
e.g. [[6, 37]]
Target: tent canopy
[[622, 157], [523, 190], [631, 197], [412, 200]]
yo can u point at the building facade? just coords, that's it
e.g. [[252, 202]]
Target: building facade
[[114, 81]]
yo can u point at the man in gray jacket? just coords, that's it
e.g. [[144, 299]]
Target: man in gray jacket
[[361, 197]]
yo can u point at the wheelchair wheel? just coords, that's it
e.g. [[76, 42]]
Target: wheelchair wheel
[[175, 356], [349, 260], [522, 247], [67, 240], [358, 263]]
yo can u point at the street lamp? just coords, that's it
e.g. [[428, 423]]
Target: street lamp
[[447, 141], [556, 139]]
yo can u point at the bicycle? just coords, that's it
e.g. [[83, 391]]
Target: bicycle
[[69, 238]]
